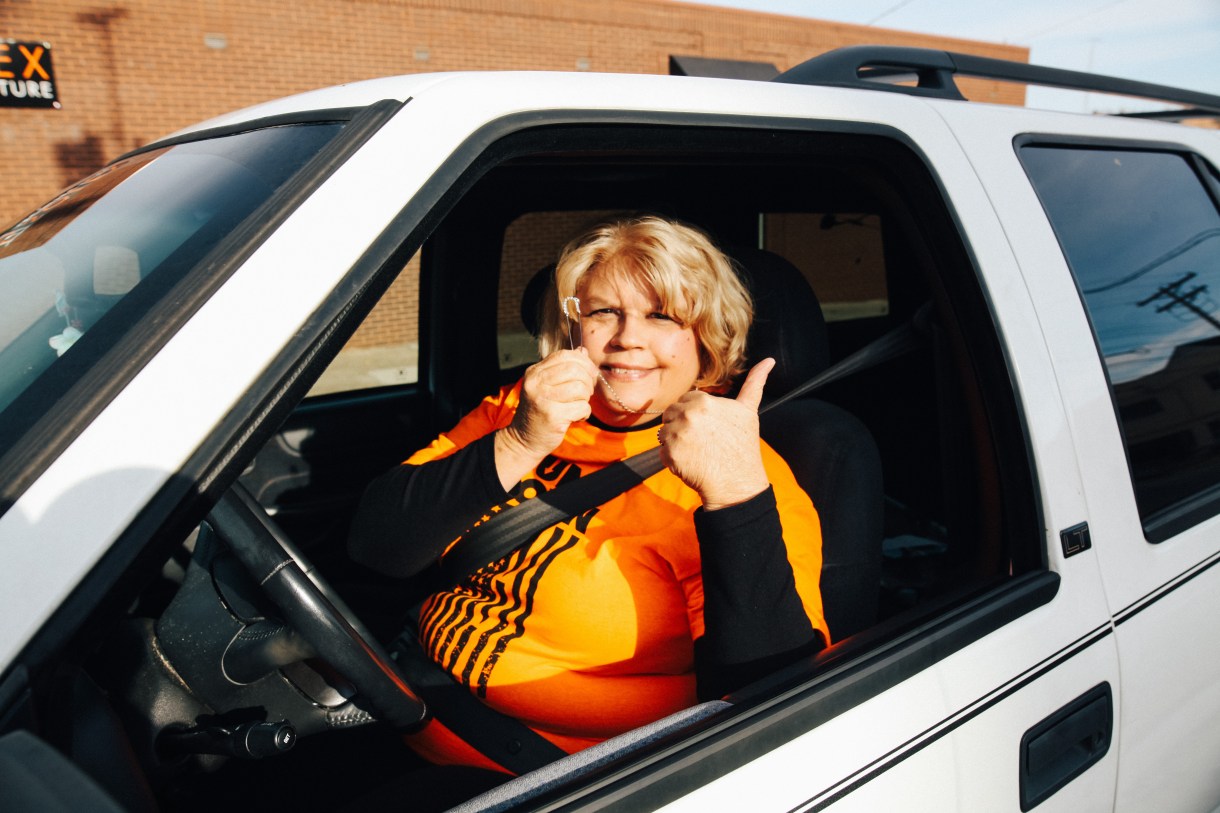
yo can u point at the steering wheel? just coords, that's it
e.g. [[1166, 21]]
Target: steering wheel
[[312, 608]]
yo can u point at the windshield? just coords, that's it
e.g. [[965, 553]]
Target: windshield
[[153, 216]]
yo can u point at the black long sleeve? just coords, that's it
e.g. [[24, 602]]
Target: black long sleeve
[[753, 617], [408, 515]]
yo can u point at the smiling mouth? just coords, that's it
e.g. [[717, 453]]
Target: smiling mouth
[[626, 373]]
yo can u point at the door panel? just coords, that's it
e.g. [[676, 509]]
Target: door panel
[[1171, 678], [935, 742]]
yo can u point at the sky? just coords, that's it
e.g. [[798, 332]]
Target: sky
[[1170, 42]]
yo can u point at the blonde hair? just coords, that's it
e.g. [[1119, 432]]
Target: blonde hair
[[682, 266]]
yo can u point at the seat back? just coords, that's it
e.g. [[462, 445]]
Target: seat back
[[831, 453]]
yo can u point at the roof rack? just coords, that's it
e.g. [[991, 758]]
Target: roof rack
[[881, 67]]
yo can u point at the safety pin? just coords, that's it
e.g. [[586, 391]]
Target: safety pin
[[575, 337]]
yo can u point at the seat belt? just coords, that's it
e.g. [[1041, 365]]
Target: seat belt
[[505, 531], [501, 738]]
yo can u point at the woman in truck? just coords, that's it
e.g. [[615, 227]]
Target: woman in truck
[[681, 588]]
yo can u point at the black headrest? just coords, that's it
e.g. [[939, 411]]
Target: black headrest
[[531, 298], [788, 322]]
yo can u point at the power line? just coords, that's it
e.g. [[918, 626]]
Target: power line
[[1066, 23], [1177, 251], [889, 11]]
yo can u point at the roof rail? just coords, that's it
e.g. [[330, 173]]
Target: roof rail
[[1177, 114], [880, 67]]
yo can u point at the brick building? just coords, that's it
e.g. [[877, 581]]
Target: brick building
[[130, 71]]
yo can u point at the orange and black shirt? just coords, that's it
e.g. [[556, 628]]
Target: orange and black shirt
[[610, 619]]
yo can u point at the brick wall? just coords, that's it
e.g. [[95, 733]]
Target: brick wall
[[132, 71], [396, 317]]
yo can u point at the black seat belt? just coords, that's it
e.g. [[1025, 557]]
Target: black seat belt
[[497, 537], [504, 740]]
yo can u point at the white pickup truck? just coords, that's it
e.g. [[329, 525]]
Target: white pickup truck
[[209, 347]]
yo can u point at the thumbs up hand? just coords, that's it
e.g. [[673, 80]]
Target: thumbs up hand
[[712, 444]]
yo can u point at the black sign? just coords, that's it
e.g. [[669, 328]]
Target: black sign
[[26, 77]]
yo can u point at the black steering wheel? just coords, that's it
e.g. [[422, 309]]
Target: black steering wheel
[[312, 608]]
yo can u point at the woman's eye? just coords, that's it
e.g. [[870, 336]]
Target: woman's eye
[[662, 316]]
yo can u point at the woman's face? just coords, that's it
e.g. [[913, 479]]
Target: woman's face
[[646, 357]]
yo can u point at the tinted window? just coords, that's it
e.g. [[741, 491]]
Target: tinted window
[[841, 254], [1142, 236]]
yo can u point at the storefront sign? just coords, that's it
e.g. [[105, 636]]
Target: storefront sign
[[26, 76]]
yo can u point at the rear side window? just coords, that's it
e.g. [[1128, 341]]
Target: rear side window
[[841, 254], [1141, 232]]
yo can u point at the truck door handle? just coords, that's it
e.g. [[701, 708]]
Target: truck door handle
[[1065, 744]]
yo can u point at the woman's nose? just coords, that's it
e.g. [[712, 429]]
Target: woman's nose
[[629, 332]]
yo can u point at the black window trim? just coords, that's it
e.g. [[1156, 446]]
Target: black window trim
[[337, 114], [1172, 520], [1209, 174]]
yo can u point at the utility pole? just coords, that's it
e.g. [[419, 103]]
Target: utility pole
[[1172, 291]]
